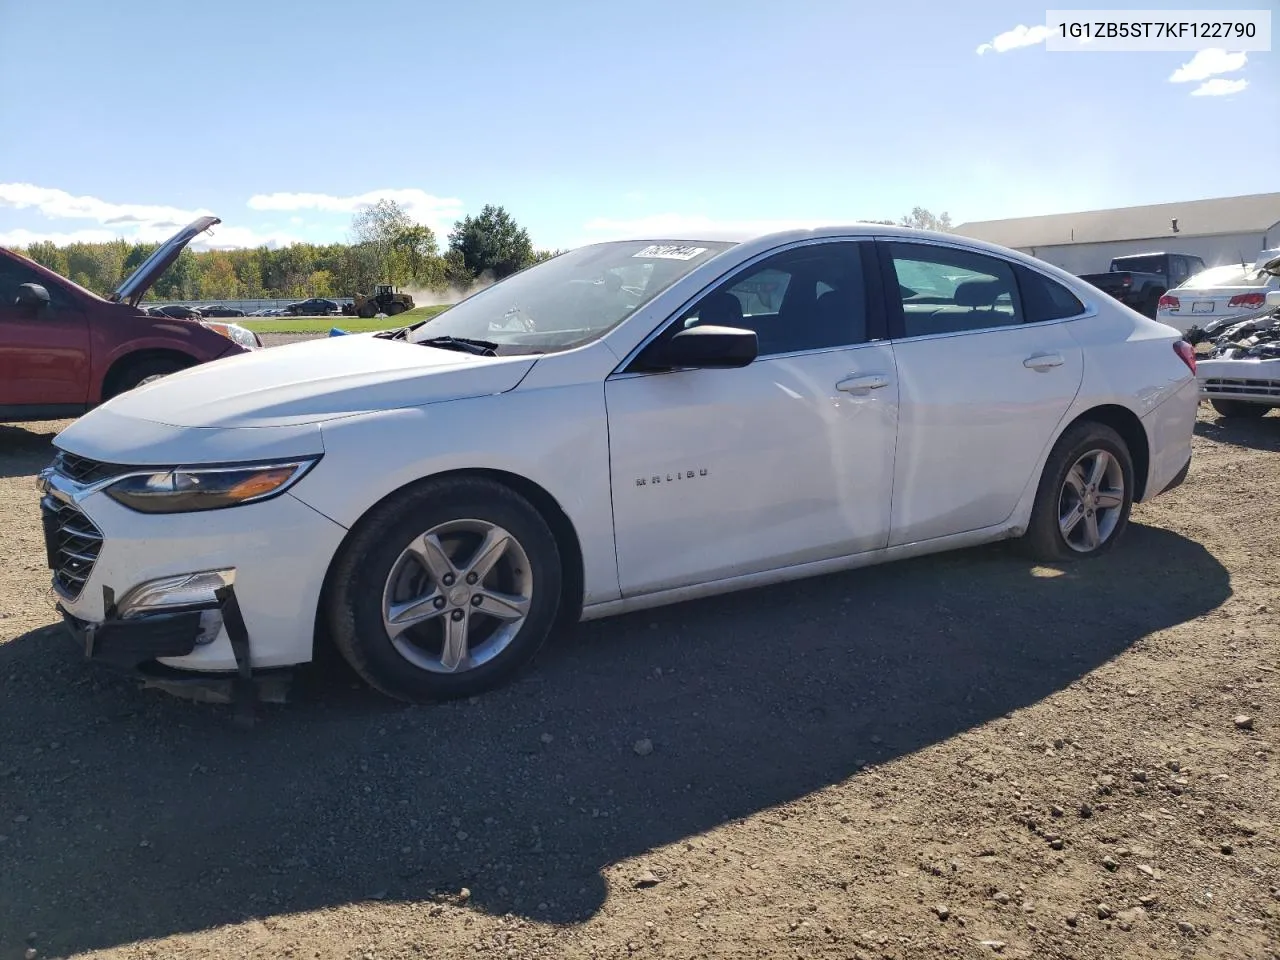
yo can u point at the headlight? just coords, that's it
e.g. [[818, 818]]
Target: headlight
[[184, 489], [233, 331]]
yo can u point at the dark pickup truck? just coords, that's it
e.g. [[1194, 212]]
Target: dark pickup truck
[[1139, 281]]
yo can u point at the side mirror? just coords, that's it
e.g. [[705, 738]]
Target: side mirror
[[31, 299], [709, 346], [1273, 298]]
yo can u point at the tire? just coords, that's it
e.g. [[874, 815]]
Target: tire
[[1240, 409], [394, 309], [375, 573], [1057, 498], [368, 311], [1151, 306], [143, 371]]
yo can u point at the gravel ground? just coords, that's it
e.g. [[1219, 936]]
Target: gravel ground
[[956, 756]]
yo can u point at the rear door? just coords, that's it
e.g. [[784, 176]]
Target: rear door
[[986, 369], [44, 359]]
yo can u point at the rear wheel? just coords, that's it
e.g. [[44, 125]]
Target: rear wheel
[[1086, 492], [1240, 409], [445, 591], [395, 308]]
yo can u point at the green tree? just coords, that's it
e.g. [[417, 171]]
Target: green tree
[[48, 254], [378, 227], [492, 241], [922, 219]]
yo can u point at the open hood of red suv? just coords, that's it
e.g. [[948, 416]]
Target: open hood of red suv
[[140, 281]]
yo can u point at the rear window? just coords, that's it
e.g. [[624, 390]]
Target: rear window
[[1138, 264], [1232, 275]]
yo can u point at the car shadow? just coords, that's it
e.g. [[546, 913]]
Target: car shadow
[[1261, 434], [25, 450], [130, 815]]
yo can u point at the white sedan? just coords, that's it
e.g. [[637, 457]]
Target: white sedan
[[1222, 295], [628, 424]]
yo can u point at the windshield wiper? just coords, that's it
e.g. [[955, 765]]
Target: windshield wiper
[[481, 348]]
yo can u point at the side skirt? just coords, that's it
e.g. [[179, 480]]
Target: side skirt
[[800, 571]]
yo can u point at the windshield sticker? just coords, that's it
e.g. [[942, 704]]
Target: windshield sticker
[[669, 251]]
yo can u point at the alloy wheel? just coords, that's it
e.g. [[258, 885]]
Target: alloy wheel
[[457, 596], [1091, 501]]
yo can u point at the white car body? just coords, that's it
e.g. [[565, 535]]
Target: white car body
[[677, 485], [1233, 291], [1242, 378]]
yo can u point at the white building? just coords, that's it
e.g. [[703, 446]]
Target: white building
[[1221, 231]]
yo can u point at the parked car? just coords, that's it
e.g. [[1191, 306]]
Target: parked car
[[437, 498], [1139, 281], [1240, 376], [64, 349], [314, 307], [1222, 295], [176, 311], [218, 310]]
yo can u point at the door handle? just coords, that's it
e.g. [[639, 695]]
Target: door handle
[[872, 381], [1043, 361]]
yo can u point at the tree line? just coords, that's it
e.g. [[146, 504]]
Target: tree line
[[386, 246]]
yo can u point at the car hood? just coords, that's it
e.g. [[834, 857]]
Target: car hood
[[140, 281], [316, 380]]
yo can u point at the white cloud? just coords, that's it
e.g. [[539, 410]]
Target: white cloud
[[1219, 87], [437, 212], [60, 205], [1019, 36], [1208, 62]]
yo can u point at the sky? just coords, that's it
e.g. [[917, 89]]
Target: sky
[[590, 120]]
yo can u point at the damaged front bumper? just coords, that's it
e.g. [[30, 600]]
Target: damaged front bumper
[[135, 645]]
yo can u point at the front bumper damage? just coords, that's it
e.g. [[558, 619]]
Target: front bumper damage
[[134, 646]]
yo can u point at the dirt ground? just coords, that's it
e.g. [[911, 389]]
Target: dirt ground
[[956, 756]]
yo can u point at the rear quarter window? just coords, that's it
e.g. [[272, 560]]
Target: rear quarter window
[[1045, 299]]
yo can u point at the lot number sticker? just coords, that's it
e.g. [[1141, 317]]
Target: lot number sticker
[[669, 251]]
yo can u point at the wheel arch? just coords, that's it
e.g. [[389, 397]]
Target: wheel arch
[[1126, 423], [123, 363], [562, 528]]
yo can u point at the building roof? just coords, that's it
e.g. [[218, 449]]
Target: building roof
[[1196, 218]]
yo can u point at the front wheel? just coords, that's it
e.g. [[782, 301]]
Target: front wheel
[[1240, 409], [1086, 492], [445, 591], [141, 372]]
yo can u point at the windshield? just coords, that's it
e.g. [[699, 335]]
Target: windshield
[[1232, 275], [570, 299]]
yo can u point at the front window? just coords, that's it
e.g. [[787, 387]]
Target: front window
[[571, 299]]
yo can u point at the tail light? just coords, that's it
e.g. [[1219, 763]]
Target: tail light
[[1187, 353], [1126, 281], [1250, 301], [1169, 303]]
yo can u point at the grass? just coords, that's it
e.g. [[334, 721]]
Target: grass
[[350, 324]]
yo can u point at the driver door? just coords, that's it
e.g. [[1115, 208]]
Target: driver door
[[44, 358], [718, 473]]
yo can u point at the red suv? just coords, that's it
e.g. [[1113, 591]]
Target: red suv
[[64, 349]]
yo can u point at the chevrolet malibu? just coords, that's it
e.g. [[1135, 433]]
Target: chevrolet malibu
[[626, 425]]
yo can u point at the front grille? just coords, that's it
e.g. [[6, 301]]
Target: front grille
[[1227, 386], [72, 544], [84, 470]]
